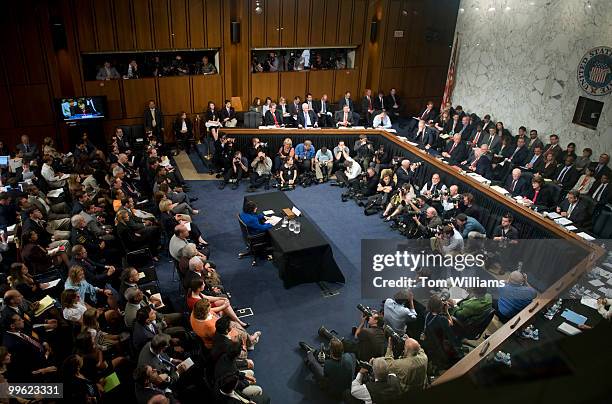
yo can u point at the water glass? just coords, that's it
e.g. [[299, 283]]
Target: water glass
[[297, 228], [291, 225], [285, 221]]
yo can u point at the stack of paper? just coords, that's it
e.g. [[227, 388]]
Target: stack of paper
[[158, 297], [586, 236], [51, 284], [44, 304], [553, 215], [296, 211], [499, 189], [273, 220], [589, 302], [268, 212], [567, 329], [563, 221]]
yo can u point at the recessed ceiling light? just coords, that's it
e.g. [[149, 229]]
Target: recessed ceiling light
[[508, 8], [461, 10], [491, 9], [477, 9]]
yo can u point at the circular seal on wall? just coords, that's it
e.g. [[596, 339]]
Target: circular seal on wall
[[595, 71]]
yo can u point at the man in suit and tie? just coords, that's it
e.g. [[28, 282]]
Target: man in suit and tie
[[367, 107], [273, 117], [228, 115], [428, 114], [324, 112], [456, 151], [494, 140], [394, 104], [346, 100], [534, 141], [310, 101], [601, 194], [307, 118], [516, 184], [567, 175], [520, 153], [153, 354], [601, 167], [574, 209], [154, 120], [344, 118], [487, 123], [479, 137], [294, 109], [466, 128], [424, 136], [26, 149], [554, 148], [380, 102], [535, 162], [482, 163]]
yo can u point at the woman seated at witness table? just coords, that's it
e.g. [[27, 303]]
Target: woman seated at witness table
[[203, 321], [550, 166], [288, 174], [285, 151], [87, 292], [585, 182], [21, 280], [37, 257], [198, 290], [254, 221]]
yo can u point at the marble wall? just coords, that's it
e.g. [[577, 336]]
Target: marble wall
[[518, 62]]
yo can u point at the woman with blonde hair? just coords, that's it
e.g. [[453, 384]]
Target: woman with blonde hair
[[87, 292], [285, 151], [169, 221]]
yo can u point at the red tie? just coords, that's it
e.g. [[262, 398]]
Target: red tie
[[31, 341], [345, 117], [275, 121], [452, 148], [535, 196], [370, 102]]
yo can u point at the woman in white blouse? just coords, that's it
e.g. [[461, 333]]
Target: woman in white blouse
[[585, 182]]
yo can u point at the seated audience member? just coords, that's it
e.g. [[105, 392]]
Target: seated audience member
[[149, 385], [72, 307], [154, 354], [107, 72], [27, 150], [227, 394], [574, 209], [514, 296], [54, 179], [382, 120], [228, 115], [469, 310], [585, 182], [383, 389], [183, 131], [516, 184], [87, 292], [254, 221], [238, 170], [323, 164], [21, 280], [336, 373], [77, 387], [399, 311], [169, 220], [226, 365], [442, 345], [536, 160], [481, 164], [601, 167], [344, 118], [566, 175], [324, 112], [505, 230], [469, 227], [410, 368], [138, 234], [180, 239], [288, 174], [539, 196], [39, 259]]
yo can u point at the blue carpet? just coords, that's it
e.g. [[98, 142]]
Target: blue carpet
[[198, 161]]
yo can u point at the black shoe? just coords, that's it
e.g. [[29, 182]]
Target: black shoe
[[305, 347], [218, 175], [325, 333], [222, 185], [334, 184], [193, 199]]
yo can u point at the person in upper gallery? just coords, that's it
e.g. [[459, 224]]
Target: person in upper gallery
[[467, 129], [183, 131], [380, 102], [585, 182], [554, 148], [367, 107], [307, 118], [272, 63], [256, 66], [585, 160], [394, 103], [535, 162], [228, 115], [206, 67], [27, 150], [600, 192], [549, 168], [574, 209], [569, 151], [324, 112], [479, 137], [345, 117], [516, 184], [273, 117], [540, 195], [566, 175], [132, 70], [514, 296], [456, 150], [107, 72], [382, 120], [601, 167], [505, 230], [178, 66], [443, 123], [156, 67], [424, 136], [154, 119], [482, 163], [346, 100]]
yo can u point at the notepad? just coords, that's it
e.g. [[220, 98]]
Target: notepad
[[571, 228], [296, 211], [573, 317], [586, 236], [44, 304], [161, 302], [567, 329], [268, 212], [51, 284], [273, 220], [596, 282], [563, 221], [55, 193], [111, 381], [589, 302]]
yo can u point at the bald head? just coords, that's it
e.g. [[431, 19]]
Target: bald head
[[411, 347], [516, 278]]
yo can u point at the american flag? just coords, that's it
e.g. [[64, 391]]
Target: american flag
[[450, 77], [599, 71]]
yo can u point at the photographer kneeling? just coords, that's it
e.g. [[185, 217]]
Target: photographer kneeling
[[376, 387], [288, 175], [236, 171], [411, 367], [262, 170], [349, 173]]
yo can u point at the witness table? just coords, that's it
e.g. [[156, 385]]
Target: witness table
[[300, 258]]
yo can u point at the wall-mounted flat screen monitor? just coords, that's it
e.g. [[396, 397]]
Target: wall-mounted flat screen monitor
[[82, 108]]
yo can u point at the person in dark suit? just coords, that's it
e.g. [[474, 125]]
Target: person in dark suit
[[601, 194], [574, 209], [567, 175], [273, 117], [228, 115], [380, 102], [153, 354], [520, 153], [424, 136], [26, 149], [145, 327], [183, 131], [148, 385], [429, 113], [540, 195], [482, 163], [601, 167], [345, 117], [455, 151], [479, 137], [554, 148], [346, 100], [227, 392], [467, 129], [307, 118], [494, 140], [154, 120], [367, 107], [394, 104], [324, 112], [535, 161], [516, 184], [505, 231]]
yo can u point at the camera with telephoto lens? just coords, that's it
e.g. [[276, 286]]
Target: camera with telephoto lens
[[396, 337], [367, 311], [364, 365]]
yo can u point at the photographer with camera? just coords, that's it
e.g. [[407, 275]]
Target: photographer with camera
[[340, 152], [448, 240], [384, 190], [305, 152], [288, 175], [399, 310], [375, 386], [323, 164], [432, 188], [441, 344], [364, 151], [382, 159], [224, 154], [399, 202], [430, 223], [349, 173], [333, 372], [238, 169], [411, 366], [469, 227], [262, 171], [255, 147], [450, 201]]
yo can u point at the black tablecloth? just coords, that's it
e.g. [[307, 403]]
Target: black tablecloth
[[300, 258]]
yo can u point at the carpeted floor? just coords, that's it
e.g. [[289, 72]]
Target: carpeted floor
[[285, 316]]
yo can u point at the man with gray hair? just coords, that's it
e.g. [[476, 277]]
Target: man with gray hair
[[514, 296], [179, 240], [383, 389], [307, 118]]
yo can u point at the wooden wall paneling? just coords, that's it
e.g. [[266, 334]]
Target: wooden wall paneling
[[288, 27], [359, 14], [126, 39], [6, 117], [435, 80], [110, 89], [36, 134], [205, 89], [331, 22], [317, 22], [345, 22], [417, 51], [346, 80], [272, 16], [31, 41], [178, 9], [390, 43], [142, 24], [104, 25], [389, 78], [214, 13], [161, 24], [321, 82], [263, 85], [197, 24], [136, 93], [32, 106], [413, 82], [83, 12], [303, 22], [174, 95], [292, 84], [258, 27], [11, 48]]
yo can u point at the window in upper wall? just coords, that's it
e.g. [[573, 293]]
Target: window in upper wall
[[135, 65], [290, 59]]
